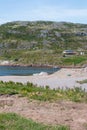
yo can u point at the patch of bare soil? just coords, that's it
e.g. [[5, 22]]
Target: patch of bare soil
[[59, 113]]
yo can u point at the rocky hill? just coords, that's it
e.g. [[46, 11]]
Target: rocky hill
[[42, 42], [41, 34]]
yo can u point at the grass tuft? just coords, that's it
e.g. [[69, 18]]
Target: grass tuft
[[82, 82], [11, 121]]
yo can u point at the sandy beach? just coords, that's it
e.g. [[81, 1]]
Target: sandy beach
[[65, 77]]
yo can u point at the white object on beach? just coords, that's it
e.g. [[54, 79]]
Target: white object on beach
[[41, 73]]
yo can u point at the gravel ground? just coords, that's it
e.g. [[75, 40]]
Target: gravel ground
[[57, 113]]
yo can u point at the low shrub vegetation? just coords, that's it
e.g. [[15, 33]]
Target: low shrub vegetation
[[82, 82], [43, 94]]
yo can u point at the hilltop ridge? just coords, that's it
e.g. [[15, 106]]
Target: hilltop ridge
[[40, 34]]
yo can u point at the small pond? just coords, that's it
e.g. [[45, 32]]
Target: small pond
[[24, 71]]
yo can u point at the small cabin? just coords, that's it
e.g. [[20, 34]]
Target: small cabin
[[81, 52], [69, 52]]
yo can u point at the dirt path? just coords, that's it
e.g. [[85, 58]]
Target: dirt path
[[61, 112]]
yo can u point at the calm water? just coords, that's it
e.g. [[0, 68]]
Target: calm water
[[17, 70]]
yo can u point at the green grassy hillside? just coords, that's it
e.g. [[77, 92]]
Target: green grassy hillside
[[33, 42]]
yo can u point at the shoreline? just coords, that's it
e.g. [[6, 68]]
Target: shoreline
[[37, 65], [14, 64], [64, 78]]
